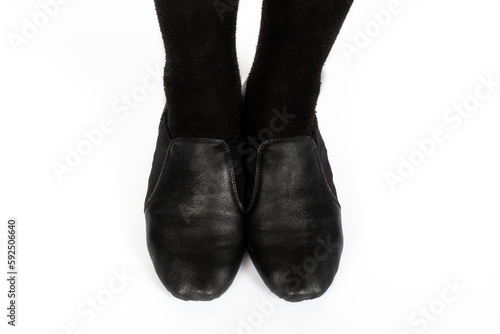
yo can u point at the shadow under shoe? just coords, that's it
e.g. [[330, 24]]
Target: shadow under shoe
[[293, 223], [194, 218]]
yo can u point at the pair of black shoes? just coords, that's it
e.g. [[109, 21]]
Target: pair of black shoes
[[207, 202]]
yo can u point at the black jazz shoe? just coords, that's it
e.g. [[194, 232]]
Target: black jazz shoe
[[293, 227], [194, 215]]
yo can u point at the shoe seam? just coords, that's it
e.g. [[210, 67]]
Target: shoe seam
[[150, 198], [227, 159], [259, 162], [260, 151], [169, 139], [325, 181]]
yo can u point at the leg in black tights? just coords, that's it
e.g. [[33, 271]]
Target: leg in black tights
[[202, 81], [295, 39]]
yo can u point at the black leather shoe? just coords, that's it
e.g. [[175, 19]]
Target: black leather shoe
[[194, 217], [293, 226]]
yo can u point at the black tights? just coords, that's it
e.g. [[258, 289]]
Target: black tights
[[202, 81]]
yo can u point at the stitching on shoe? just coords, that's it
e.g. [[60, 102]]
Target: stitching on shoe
[[146, 205], [260, 151], [325, 181], [198, 140], [229, 162], [256, 182], [169, 141]]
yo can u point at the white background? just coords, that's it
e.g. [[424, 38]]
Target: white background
[[402, 246]]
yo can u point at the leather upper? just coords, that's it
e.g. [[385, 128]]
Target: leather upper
[[293, 224], [194, 217]]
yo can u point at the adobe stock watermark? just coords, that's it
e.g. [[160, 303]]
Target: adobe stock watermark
[[94, 137], [422, 319], [31, 26], [453, 119], [224, 6], [278, 123], [324, 249], [262, 310], [89, 309], [364, 36], [214, 189]]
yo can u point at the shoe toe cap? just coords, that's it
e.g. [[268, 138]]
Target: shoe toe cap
[[195, 276], [209, 287], [297, 278]]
